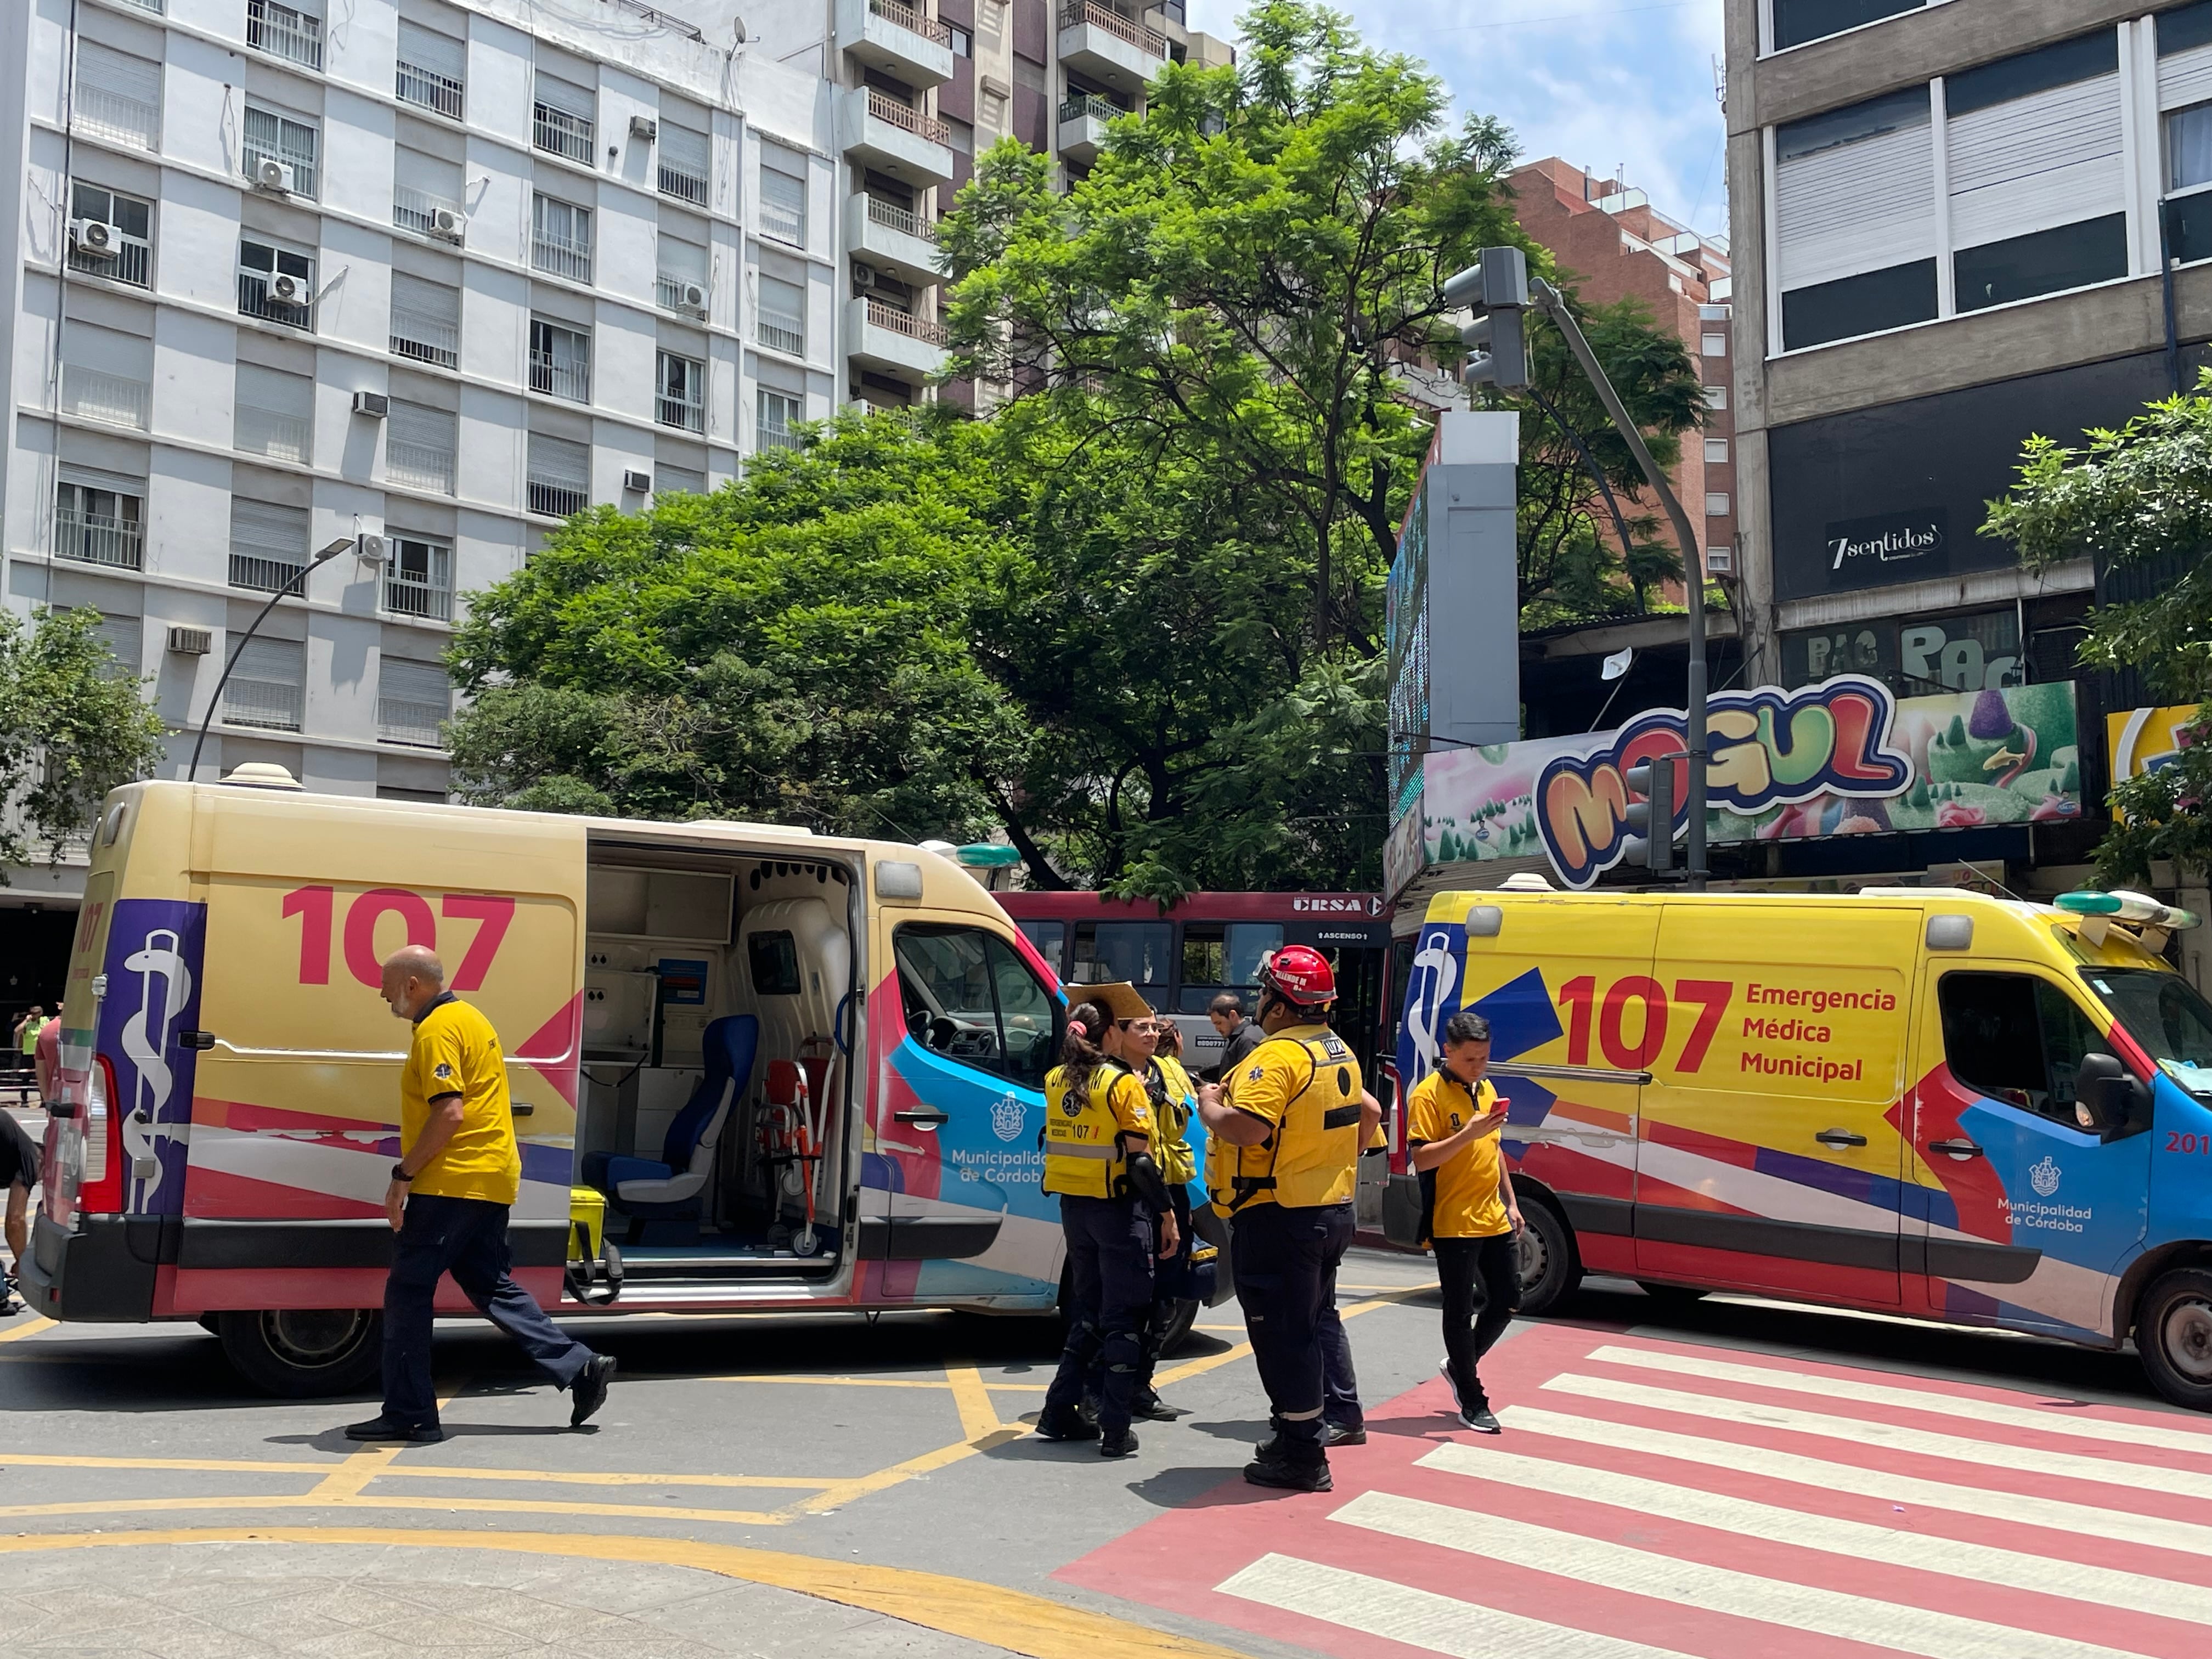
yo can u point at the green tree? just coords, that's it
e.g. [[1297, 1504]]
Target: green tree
[[72, 727], [2129, 497]]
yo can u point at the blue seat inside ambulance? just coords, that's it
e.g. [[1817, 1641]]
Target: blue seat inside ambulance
[[665, 1200]]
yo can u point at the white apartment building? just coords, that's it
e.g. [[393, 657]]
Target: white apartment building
[[422, 276]]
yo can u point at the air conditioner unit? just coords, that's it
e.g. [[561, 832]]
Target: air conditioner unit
[[283, 285], [369, 547], [645, 127], [641, 481], [450, 225], [374, 405], [864, 275], [270, 173], [191, 641], [95, 237], [695, 295]]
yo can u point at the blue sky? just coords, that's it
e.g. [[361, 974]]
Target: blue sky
[[1604, 84]]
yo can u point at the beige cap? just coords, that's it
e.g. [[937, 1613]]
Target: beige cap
[[1121, 1000]]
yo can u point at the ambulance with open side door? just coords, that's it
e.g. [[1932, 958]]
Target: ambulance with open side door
[[791, 1072], [1924, 1101]]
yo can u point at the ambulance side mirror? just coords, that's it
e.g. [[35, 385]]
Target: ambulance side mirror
[[2109, 1099]]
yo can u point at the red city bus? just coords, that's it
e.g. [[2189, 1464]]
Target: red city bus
[[1182, 958]]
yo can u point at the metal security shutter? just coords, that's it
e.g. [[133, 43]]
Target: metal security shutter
[[1854, 190], [434, 301], [273, 390], [427, 49], [567, 97], [2051, 157], [125, 637], [684, 150], [420, 425], [103, 68], [433, 175], [269, 531]]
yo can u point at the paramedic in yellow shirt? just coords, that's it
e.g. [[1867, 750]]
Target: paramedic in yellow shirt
[[458, 1175], [1453, 1124]]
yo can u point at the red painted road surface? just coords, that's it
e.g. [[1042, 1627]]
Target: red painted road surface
[[1658, 1497]]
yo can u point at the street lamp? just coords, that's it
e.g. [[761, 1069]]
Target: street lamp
[[344, 545]]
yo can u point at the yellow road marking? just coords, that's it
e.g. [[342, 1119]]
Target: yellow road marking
[[38, 1323], [978, 1416], [1030, 1624], [418, 1472], [419, 1505], [362, 1467], [827, 1382]]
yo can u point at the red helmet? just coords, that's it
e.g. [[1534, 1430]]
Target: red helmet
[[1299, 975]]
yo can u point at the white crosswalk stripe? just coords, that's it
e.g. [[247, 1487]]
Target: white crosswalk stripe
[[2101, 1586], [2045, 1421], [1859, 1430], [2088, 1520], [1795, 1605], [1419, 1618]]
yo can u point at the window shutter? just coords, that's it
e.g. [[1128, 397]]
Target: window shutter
[[427, 49], [678, 257], [567, 97], [434, 301], [2050, 158], [781, 298], [431, 175], [103, 68], [268, 531], [91, 477], [685, 149], [557, 461], [276, 392], [279, 662], [1854, 190], [125, 637], [418, 424], [413, 682], [110, 350]]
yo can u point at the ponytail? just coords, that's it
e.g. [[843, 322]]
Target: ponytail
[[1080, 1051]]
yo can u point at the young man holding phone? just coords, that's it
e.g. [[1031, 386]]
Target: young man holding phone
[[1471, 1218]]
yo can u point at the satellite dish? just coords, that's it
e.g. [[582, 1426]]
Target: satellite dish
[[737, 36]]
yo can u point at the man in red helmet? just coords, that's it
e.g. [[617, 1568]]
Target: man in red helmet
[[1287, 1129]]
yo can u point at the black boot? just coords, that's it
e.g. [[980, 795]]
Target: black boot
[[1301, 1471]]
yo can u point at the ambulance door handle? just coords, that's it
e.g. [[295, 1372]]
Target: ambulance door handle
[[1840, 1137], [924, 1120], [1955, 1148]]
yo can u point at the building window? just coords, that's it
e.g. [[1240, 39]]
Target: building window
[[1714, 345], [420, 448], [780, 321], [560, 120], [433, 70], [412, 701], [117, 97], [1714, 314], [783, 195], [426, 195], [679, 282], [677, 480], [426, 320], [561, 238], [963, 45], [107, 375], [559, 361], [267, 688], [1716, 452], [125, 640], [111, 234], [1716, 397], [686, 164], [960, 135], [1717, 505], [419, 579], [268, 544], [780, 415], [2045, 262], [560, 475], [1855, 220], [275, 414], [100, 523], [275, 284], [682, 392], [292, 33], [287, 141], [1797, 21]]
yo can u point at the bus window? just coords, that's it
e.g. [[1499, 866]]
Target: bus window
[[1218, 957], [1050, 938], [1141, 953]]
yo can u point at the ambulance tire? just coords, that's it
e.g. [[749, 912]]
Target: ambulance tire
[[1179, 1324], [1551, 1267], [2173, 1334], [300, 1354]]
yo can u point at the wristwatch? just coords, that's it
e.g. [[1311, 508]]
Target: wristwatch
[[399, 1173]]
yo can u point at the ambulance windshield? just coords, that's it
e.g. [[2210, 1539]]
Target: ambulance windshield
[[2166, 1015]]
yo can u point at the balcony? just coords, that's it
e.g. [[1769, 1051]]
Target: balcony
[[877, 130], [685, 181], [558, 256], [423, 339], [130, 260], [270, 432], [402, 719], [779, 330], [408, 596], [426, 89], [93, 394], [889, 341], [118, 119], [892, 237], [1110, 46], [99, 539], [262, 576], [418, 466], [686, 414], [295, 36], [561, 377], [266, 705], [254, 300], [417, 210], [556, 498], [559, 133], [897, 39], [686, 296], [1082, 119]]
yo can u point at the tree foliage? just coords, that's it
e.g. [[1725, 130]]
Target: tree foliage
[[71, 729]]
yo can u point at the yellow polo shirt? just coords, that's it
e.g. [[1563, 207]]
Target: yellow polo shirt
[[1467, 1203], [456, 1052]]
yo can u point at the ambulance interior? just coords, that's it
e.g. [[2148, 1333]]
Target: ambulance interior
[[718, 1000]]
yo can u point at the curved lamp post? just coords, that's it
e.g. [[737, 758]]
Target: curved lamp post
[[298, 581]]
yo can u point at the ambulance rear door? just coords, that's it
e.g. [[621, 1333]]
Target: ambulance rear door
[[1769, 1155]]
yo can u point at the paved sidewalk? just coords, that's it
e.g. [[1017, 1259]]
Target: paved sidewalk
[[259, 1600]]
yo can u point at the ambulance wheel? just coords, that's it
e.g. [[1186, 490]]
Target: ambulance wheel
[[1179, 1324], [1673, 1295], [1551, 1270], [2173, 1334], [300, 1353]]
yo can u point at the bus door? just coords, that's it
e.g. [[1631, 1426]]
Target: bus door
[[2021, 1216]]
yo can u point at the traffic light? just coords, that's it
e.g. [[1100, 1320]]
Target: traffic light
[[1652, 817], [1496, 289]]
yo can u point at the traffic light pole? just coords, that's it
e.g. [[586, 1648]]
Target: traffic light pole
[[1549, 300]]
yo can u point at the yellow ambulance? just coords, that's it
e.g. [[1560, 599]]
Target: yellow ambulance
[[793, 1071], [1925, 1101]]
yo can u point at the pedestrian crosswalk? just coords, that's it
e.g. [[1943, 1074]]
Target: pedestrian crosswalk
[[1658, 1497]]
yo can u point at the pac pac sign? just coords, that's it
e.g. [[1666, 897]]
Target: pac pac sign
[[1769, 748]]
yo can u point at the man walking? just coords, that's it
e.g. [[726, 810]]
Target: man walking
[[458, 1175]]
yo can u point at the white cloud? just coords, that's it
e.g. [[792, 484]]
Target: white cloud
[[1603, 83]]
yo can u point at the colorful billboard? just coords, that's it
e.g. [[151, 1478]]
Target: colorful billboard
[[1844, 757], [2143, 740]]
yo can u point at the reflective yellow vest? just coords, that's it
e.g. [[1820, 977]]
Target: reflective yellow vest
[[1084, 1157], [1172, 1110], [1312, 1157]]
